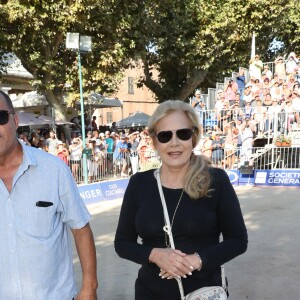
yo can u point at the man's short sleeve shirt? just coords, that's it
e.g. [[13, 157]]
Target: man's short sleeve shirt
[[35, 221]]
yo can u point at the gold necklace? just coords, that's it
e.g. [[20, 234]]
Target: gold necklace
[[166, 235]]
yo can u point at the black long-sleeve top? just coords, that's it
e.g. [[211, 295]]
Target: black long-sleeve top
[[196, 228]]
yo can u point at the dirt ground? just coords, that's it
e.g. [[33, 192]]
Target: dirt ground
[[268, 270]]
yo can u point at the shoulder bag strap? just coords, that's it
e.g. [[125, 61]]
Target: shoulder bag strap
[[167, 227]]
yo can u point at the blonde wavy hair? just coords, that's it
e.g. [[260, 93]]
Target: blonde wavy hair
[[197, 179]]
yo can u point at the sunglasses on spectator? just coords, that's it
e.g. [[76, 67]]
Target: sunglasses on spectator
[[183, 134], [4, 116]]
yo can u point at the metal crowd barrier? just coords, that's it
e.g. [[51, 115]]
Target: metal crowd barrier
[[262, 158], [105, 166]]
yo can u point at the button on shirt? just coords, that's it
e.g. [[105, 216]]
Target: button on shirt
[[35, 248]]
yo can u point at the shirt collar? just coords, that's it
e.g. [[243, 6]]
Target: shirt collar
[[28, 157]]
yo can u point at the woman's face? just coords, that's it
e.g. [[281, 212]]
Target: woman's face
[[175, 153]]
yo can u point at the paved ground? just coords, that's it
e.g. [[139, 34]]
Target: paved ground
[[268, 270]]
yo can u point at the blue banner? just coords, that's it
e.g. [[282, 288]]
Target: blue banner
[[278, 177], [114, 189], [91, 193], [101, 191]]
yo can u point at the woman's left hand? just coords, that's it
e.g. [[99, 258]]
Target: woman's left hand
[[194, 262]]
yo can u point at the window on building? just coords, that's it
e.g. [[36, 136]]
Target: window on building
[[130, 85], [109, 117]]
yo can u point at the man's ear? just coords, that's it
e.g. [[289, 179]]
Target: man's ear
[[16, 120]]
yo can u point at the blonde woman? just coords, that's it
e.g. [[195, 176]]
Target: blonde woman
[[201, 203]]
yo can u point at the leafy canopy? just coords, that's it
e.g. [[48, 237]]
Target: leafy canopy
[[182, 44]]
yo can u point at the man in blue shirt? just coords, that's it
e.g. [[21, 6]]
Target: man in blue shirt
[[39, 206], [241, 82]]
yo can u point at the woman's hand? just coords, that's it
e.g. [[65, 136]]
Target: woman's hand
[[195, 264], [174, 263]]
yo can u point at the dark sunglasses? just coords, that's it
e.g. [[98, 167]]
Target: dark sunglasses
[[4, 116], [183, 134]]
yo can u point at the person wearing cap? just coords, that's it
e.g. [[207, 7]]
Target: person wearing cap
[[230, 90], [255, 100], [275, 90], [219, 102], [241, 82], [255, 67], [248, 95], [257, 87], [259, 116], [236, 110], [280, 67], [217, 146], [62, 152], [199, 107], [291, 65], [247, 136], [75, 150], [248, 110]]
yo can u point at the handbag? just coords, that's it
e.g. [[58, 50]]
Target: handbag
[[205, 293]]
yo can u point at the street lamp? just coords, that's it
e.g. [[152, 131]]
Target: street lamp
[[83, 44]]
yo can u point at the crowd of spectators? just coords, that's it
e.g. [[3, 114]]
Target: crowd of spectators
[[117, 153], [266, 105]]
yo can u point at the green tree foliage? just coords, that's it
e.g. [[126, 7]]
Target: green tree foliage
[[183, 44], [36, 31], [195, 43]]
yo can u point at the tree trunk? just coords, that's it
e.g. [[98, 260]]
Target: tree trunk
[[55, 102]]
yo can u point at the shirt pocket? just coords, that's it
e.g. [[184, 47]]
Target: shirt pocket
[[39, 222]]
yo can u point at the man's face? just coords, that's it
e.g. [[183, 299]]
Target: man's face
[[7, 131], [52, 135], [237, 97]]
